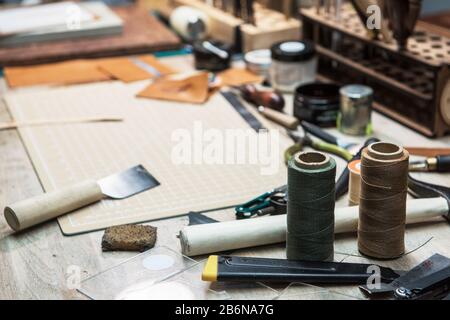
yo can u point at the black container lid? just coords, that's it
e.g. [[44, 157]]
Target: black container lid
[[318, 93], [293, 51]]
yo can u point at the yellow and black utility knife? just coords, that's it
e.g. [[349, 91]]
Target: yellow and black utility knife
[[228, 268]]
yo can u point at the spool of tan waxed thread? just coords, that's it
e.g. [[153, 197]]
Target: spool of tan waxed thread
[[382, 203], [354, 186]]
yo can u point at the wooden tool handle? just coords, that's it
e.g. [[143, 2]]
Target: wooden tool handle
[[283, 119], [30, 212], [266, 98], [427, 152]]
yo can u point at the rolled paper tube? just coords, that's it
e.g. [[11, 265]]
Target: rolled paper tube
[[354, 188], [223, 236]]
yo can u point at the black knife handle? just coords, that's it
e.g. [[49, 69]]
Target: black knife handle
[[319, 133], [443, 163], [232, 268], [342, 184]]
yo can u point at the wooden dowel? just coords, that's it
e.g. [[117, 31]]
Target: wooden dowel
[[34, 123]]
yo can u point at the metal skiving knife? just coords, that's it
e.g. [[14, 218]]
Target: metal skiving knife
[[32, 211]]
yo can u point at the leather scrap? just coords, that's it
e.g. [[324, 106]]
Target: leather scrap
[[62, 73], [129, 69], [126, 69], [237, 77], [191, 89]]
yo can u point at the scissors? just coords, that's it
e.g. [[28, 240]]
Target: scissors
[[303, 139], [273, 202]]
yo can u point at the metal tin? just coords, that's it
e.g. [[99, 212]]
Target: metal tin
[[356, 109]]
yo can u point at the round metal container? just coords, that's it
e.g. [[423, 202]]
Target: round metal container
[[356, 109]]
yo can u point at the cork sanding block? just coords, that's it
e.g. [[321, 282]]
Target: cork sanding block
[[129, 237]]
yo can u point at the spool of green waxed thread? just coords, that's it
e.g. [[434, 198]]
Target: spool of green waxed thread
[[310, 212]]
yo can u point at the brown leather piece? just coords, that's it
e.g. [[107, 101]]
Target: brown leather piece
[[428, 152], [192, 89], [63, 73], [237, 77], [84, 71], [142, 33], [126, 70], [196, 88]]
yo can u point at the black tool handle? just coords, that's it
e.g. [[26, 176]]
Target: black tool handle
[[421, 189], [237, 269], [319, 133], [342, 183], [443, 163]]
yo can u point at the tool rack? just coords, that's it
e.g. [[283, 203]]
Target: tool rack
[[270, 26], [411, 86]]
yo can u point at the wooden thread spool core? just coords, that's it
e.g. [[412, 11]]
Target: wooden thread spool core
[[354, 182], [312, 160], [385, 151]]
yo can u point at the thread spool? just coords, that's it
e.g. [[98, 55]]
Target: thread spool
[[382, 206], [310, 213], [354, 185]]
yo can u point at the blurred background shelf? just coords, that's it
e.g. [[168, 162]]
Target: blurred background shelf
[[411, 86]]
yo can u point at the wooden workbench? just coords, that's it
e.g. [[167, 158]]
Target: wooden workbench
[[34, 264]]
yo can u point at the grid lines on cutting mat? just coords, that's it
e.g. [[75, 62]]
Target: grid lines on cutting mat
[[65, 154]]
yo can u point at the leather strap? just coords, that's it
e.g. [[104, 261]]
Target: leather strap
[[420, 189]]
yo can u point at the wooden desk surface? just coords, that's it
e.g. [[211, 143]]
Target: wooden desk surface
[[34, 264]]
